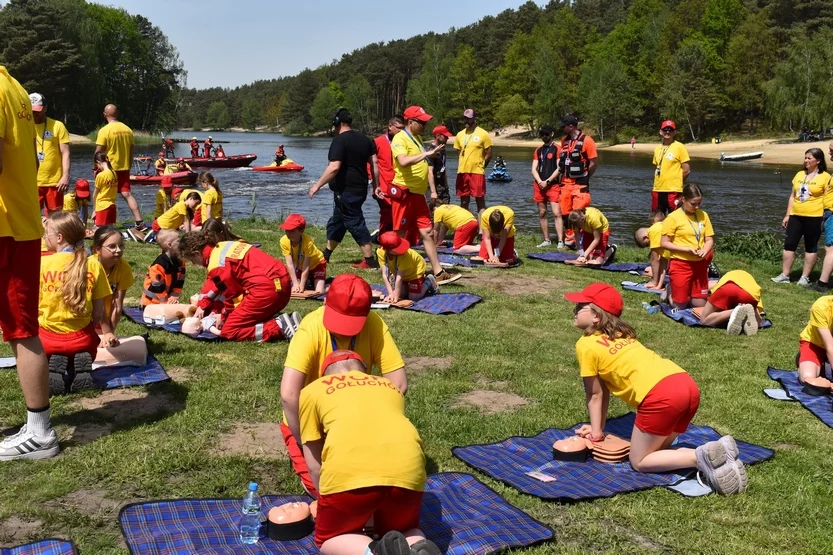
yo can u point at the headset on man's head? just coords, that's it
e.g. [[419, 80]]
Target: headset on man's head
[[336, 119]]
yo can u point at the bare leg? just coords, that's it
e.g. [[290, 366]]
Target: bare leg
[[133, 205], [787, 259], [430, 249], [320, 285], [713, 317], [346, 544], [332, 244], [32, 371], [559, 221], [651, 453], [464, 202], [367, 250], [827, 265], [809, 263], [808, 370], [481, 206], [542, 219], [468, 249], [698, 302], [414, 535]]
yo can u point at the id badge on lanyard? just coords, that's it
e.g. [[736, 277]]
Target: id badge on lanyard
[[40, 156]]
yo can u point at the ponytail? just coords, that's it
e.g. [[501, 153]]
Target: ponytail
[[74, 287], [209, 179], [217, 231], [101, 156]]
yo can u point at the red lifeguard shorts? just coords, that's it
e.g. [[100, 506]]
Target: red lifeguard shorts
[[106, 216], [689, 279], [19, 288], [729, 295], [465, 234], [123, 177], [669, 406], [85, 340], [471, 185], [810, 352], [50, 198], [550, 194], [413, 210]]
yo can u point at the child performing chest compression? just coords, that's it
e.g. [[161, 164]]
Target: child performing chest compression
[[179, 215], [815, 345], [590, 225], [108, 246], [165, 278], [459, 220], [362, 471], [497, 225], [612, 360], [403, 269], [735, 301], [304, 261], [652, 237]]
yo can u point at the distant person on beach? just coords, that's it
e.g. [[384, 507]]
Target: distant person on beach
[[633, 143], [384, 160], [671, 169], [52, 146], [547, 187], [437, 163], [823, 284], [576, 165], [805, 213], [475, 148]]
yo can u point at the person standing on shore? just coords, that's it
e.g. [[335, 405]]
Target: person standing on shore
[[546, 189], [823, 284], [576, 164], [384, 159], [671, 170], [350, 153], [116, 141], [633, 143], [475, 147], [52, 146], [437, 163]]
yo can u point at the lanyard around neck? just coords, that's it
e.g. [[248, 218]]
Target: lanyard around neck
[[421, 147], [695, 229], [300, 253], [335, 345]]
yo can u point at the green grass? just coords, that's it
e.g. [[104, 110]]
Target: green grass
[[519, 344]]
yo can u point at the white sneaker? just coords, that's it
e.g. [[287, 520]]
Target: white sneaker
[[781, 278], [26, 445], [289, 323], [750, 325], [543, 244], [560, 245], [433, 288], [736, 321], [803, 281]]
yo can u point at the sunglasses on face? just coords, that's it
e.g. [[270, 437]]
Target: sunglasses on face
[[579, 307], [668, 130]]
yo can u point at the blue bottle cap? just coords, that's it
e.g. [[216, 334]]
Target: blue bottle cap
[[252, 486]]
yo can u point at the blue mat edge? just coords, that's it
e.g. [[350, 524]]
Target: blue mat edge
[[70, 543], [771, 369]]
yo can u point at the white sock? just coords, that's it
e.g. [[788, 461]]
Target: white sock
[[39, 423]]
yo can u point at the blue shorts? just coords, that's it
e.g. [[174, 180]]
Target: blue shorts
[[828, 228]]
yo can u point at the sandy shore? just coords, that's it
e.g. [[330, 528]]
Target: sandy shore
[[79, 140]]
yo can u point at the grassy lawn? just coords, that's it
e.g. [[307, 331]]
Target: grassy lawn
[[179, 439]]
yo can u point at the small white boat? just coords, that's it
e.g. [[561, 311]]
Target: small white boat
[[740, 157]]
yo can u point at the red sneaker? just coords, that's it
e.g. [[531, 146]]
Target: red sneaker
[[363, 265]]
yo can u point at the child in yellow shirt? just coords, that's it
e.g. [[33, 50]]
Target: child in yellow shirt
[[590, 225], [108, 249], [212, 198], [459, 220], [106, 187], [497, 226], [815, 344], [304, 261], [652, 237], [179, 215], [403, 269], [612, 360]]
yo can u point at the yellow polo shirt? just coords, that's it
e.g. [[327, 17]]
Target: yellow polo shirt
[[821, 316], [687, 230], [173, 217], [306, 250], [411, 264], [452, 216], [106, 187], [53, 314], [593, 220], [415, 176], [669, 161], [214, 198], [49, 136], [472, 147], [508, 219], [117, 140], [655, 239]]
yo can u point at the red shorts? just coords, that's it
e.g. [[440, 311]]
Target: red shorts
[[69, 344], [550, 194], [123, 177], [319, 272], [471, 185], [506, 255], [601, 248], [669, 406], [415, 285], [19, 288], [299, 463], [465, 234], [810, 352], [689, 279], [674, 200], [413, 210], [51, 198], [573, 197], [197, 219], [347, 512], [729, 295], [106, 216]]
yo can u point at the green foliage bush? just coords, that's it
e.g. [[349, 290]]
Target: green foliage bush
[[759, 245]]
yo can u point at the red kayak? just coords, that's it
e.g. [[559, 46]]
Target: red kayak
[[284, 168], [237, 161], [178, 178]]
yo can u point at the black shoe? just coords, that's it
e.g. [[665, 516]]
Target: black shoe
[[392, 543], [820, 288], [82, 373], [714, 272], [425, 547], [59, 378]]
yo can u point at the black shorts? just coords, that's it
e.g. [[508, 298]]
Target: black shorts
[[348, 216], [808, 227]]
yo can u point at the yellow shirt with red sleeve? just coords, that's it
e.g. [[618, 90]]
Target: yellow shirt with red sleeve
[[49, 137], [163, 203], [119, 278], [687, 230], [628, 368], [215, 198], [306, 250], [508, 219], [368, 440], [117, 140], [234, 267], [594, 220], [415, 176], [174, 216], [452, 216], [809, 194], [655, 239], [19, 206], [745, 281], [472, 147], [411, 264], [53, 314], [669, 160], [821, 317], [106, 187]]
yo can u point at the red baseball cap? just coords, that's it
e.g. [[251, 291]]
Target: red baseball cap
[[393, 243], [294, 221], [668, 123], [161, 154], [167, 182], [347, 305], [82, 188], [442, 130], [417, 113], [600, 294], [176, 192], [340, 355]]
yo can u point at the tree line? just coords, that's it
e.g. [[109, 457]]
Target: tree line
[[82, 56]]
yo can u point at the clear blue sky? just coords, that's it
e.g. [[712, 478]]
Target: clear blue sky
[[234, 42]]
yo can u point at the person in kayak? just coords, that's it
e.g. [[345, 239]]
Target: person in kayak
[[160, 164], [280, 155]]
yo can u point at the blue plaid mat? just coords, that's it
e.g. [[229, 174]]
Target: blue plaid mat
[[459, 513], [687, 317], [508, 461], [639, 287], [43, 547], [442, 303], [565, 256], [440, 250], [135, 314], [454, 260], [821, 407], [111, 377]]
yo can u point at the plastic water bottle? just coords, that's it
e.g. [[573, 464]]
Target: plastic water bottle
[[250, 519], [650, 308]]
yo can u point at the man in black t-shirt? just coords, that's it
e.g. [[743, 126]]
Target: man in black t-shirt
[[347, 173]]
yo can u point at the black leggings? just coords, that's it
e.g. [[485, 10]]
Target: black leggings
[[808, 227]]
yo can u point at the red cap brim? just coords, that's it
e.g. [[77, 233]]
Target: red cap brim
[[38, 108], [342, 324], [289, 227], [82, 194], [577, 297]]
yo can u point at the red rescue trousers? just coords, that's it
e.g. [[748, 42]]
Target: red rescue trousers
[[254, 317]]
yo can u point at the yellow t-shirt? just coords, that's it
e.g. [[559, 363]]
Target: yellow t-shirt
[[48, 138], [628, 368], [508, 219], [669, 161], [117, 140], [745, 281], [809, 196], [655, 239], [821, 316], [452, 216], [70, 203], [53, 314], [215, 198], [306, 250], [411, 264], [120, 278], [472, 147], [687, 230], [163, 202], [593, 220], [106, 187], [174, 216], [414, 177], [19, 206], [368, 440]]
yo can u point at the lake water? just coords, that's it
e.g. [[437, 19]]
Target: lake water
[[744, 196]]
